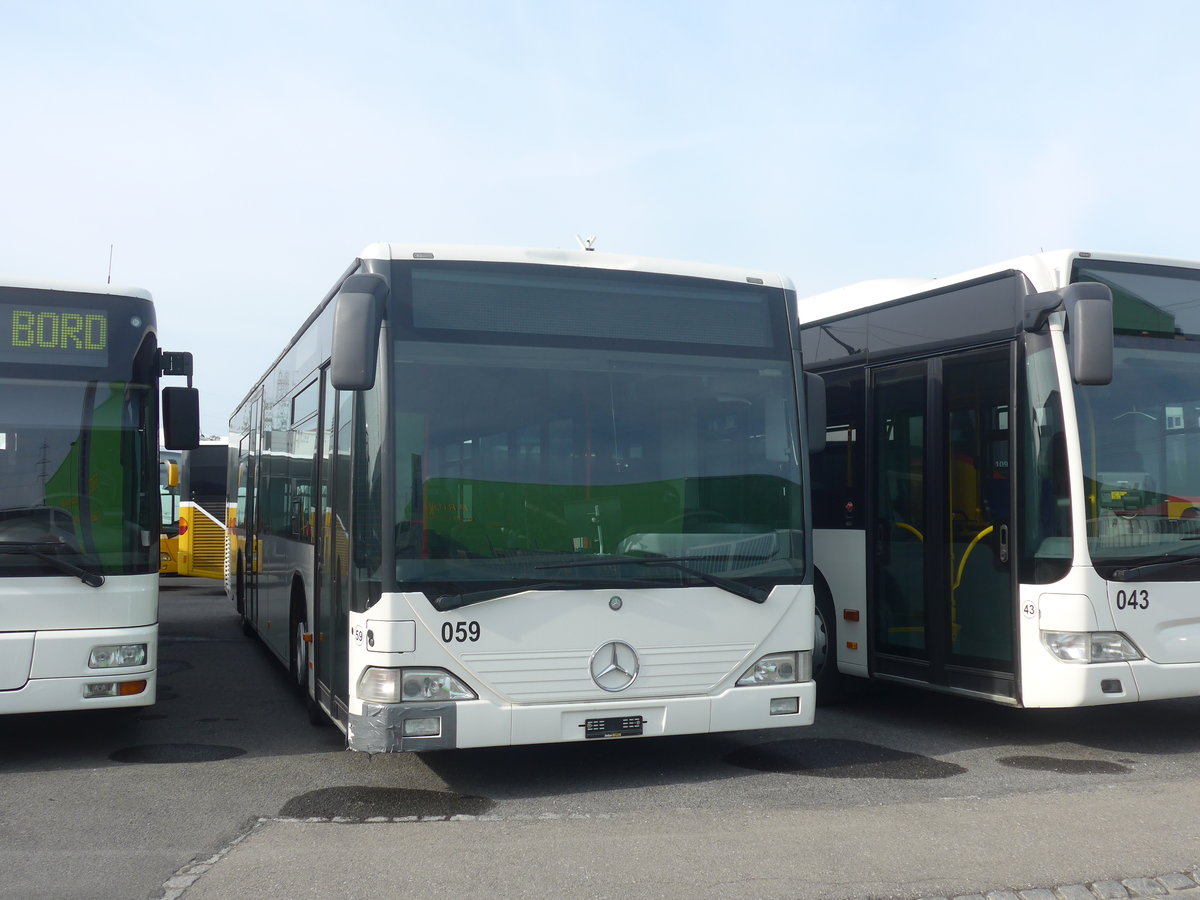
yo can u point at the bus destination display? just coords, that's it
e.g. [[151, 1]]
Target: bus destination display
[[48, 335]]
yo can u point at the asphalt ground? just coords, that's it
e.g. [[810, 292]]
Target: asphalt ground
[[941, 848], [223, 789]]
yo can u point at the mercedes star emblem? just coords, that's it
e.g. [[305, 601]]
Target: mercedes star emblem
[[614, 666]]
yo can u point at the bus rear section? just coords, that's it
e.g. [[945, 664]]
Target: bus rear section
[[79, 526], [201, 528], [530, 496]]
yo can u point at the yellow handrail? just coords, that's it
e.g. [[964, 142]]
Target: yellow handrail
[[962, 563]]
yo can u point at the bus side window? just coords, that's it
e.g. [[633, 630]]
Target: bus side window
[[298, 517], [279, 513]]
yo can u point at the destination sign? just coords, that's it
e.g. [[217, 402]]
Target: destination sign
[[53, 335]]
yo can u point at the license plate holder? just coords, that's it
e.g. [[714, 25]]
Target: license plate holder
[[613, 727]]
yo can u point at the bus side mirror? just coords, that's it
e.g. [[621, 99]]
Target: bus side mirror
[[1090, 318], [181, 418], [1088, 305], [356, 322], [814, 401]]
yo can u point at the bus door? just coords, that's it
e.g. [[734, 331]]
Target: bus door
[[942, 580], [331, 602], [249, 524]]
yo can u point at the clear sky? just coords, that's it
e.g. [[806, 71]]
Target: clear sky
[[238, 155]]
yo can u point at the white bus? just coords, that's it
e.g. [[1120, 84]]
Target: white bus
[[79, 474], [1006, 504], [497, 496]]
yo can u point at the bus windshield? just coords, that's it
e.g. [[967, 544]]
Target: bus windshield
[[512, 463], [71, 473], [1141, 433]]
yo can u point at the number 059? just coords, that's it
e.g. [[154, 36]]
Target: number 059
[[459, 631]]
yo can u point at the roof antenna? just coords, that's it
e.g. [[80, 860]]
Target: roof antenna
[[589, 244], [110, 252]]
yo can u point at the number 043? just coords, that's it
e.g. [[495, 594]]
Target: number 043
[[1133, 599]]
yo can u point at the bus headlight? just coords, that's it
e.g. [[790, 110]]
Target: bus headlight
[[379, 685], [1090, 646], [779, 668], [117, 655]]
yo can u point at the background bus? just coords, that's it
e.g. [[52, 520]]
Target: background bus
[[491, 496], [80, 368], [201, 540], [168, 492], [1005, 504]]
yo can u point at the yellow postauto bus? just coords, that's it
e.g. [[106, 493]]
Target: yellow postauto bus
[[200, 540]]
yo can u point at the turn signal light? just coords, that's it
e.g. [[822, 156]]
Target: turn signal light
[[113, 689]]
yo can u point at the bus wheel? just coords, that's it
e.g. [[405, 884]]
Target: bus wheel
[[828, 678], [298, 664], [239, 589], [299, 656]]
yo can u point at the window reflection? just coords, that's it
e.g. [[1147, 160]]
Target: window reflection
[[74, 487], [507, 459]]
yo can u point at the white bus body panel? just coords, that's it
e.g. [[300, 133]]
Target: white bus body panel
[[1066, 605], [691, 652], [48, 627], [16, 658], [1046, 271], [1167, 633], [1162, 619], [584, 259], [843, 556], [282, 561], [78, 287], [63, 601]]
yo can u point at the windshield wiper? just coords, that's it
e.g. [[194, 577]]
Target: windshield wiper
[[1152, 568], [739, 588], [38, 551], [447, 602]]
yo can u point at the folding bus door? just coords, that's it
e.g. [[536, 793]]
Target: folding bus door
[[332, 636], [942, 594], [326, 567]]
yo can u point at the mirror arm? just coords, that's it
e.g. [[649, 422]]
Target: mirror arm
[[1037, 309]]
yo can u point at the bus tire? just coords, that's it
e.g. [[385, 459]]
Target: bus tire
[[239, 590], [298, 658]]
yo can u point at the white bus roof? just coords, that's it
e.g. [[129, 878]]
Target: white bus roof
[[78, 287], [585, 258], [1048, 271]]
